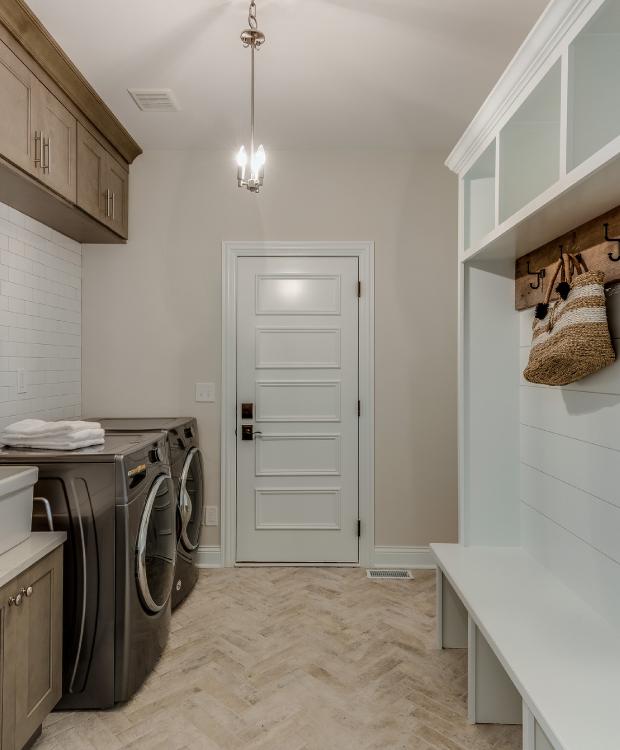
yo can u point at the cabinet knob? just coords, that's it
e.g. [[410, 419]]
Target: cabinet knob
[[16, 600], [27, 591]]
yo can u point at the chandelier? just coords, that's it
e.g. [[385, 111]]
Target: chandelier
[[251, 167]]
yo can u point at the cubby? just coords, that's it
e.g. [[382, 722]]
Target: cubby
[[479, 197], [529, 146], [594, 85]]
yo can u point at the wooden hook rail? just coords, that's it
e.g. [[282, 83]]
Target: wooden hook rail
[[597, 240]]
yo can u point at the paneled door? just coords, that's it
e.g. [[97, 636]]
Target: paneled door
[[297, 409]]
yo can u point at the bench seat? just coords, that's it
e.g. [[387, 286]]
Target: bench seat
[[560, 655]]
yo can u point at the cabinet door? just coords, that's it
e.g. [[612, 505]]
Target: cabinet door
[[34, 644], [17, 94], [117, 183], [58, 128], [91, 169]]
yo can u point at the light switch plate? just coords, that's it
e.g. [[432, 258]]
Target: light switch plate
[[211, 515], [205, 392]]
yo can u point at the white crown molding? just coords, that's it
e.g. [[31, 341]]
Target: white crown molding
[[403, 557], [541, 46], [209, 556]]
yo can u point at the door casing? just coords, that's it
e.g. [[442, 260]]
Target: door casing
[[231, 251]]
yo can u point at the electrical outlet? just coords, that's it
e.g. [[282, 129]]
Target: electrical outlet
[[21, 382], [205, 392], [211, 515]]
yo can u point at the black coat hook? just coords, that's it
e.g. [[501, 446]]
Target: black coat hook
[[539, 275], [612, 239]]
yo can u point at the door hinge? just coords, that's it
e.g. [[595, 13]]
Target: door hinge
[[359, 527], [359, 408], [359, 288]]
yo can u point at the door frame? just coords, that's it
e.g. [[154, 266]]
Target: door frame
[[365, 253]]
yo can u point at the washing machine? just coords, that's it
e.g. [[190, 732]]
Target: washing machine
[[117, 504], [186, 467]]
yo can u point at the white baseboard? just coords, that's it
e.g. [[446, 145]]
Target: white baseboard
[[403, 557], [209, 556]]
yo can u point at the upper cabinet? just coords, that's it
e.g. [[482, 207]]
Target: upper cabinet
[[64, 157], [103, 183], [542, 155], [18, 92]]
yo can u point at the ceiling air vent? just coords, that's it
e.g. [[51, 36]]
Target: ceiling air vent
[[154, 100]]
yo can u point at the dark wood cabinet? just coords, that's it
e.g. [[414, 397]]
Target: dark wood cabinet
[[30, 649]]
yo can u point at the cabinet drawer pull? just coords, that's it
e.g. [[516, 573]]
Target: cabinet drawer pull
[[107, 203], [37, 142], [47, 155], [113, 206]]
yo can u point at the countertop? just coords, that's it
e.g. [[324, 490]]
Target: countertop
[[20, 558]]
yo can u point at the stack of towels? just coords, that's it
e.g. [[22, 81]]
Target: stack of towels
[[62, 435]]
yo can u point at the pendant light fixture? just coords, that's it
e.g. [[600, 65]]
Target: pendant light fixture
[[251, 167]]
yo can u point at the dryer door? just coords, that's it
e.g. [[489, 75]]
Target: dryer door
[[191, 499], [156, 547]]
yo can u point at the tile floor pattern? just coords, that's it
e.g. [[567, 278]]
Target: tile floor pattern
[[295, 659]]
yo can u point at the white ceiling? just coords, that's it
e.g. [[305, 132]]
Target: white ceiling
[[332, 74]]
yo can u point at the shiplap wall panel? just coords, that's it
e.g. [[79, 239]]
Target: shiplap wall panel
[[592, 575], [582, 465], [593, 520], [570, 475], [40, 320], [590, 417]]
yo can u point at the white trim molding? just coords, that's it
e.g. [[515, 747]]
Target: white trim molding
[[404, 557], [364, 252], [209, 556]]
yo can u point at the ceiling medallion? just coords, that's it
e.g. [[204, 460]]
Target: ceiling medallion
[[251, 168]]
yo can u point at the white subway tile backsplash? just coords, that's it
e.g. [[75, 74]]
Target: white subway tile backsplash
[[40, 320]]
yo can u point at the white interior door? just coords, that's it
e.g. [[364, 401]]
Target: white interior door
[[297, 371]]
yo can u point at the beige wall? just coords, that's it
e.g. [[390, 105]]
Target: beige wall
[[152, 308]]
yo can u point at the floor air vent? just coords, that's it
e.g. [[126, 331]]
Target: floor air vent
[[389, 574]]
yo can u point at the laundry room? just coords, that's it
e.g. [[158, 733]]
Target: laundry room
[[309, 397]]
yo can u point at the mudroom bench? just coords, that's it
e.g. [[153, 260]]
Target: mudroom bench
[[537, 653]]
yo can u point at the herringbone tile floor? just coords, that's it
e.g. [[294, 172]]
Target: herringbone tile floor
[[295, 659]]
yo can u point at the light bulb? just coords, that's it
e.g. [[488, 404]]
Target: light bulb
[[260, 157], [242, 157]]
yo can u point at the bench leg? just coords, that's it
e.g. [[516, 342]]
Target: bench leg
[[491, 698], [533, 736], [451, 616]]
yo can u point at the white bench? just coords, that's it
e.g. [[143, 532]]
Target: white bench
[[538, 654]]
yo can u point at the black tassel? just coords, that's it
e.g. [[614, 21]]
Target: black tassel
[[563, 289], [541, 310]]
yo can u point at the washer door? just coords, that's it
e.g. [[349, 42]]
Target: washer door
[[156, 548], [191, 499]]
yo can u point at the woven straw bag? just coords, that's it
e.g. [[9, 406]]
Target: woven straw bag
[[570, 339]]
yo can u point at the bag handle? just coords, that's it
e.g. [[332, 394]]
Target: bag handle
[[543, 307]]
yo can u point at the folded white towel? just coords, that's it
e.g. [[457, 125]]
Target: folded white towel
[[39, 428], [24, 438], [58, 444]]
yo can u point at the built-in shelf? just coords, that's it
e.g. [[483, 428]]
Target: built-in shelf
[[594, 85], [479, 197], [529, 146], [553, 125]]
